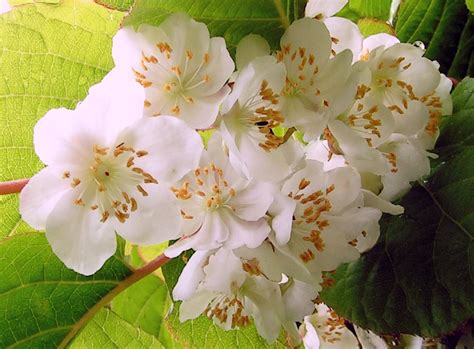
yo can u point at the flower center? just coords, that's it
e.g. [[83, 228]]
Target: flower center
[[177, 80], [222, 306], [209, 187], [111, 182]]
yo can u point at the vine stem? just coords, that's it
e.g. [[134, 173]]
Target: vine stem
[[13, 187], [281, 11], [129, 281]]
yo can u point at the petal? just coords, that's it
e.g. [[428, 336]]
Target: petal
[[282, 210], [40, 196], [126, 50], [327, 8], [4, 6], [382, 39], [298, 300], [372, 200], [193, 307], [249, 48], [347, 184], [347, 33], [412, 120], [219, 68], [241, 232], [77, 236], [191, 276], [156, 220], [214, 231], [252, 202], [297, 36], [310, 337], [368, 339], [216, 280], [202, 112], [173, 148], [319, 150]]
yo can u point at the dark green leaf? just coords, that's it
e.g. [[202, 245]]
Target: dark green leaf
[[227, 18], [419, 278], [445, 27]]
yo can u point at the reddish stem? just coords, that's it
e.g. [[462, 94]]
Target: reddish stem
[[13, 187]]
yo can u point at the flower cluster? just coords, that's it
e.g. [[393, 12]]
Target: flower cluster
[[265, 211]]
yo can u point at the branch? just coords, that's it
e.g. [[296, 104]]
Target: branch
[[135, 277], [13, 187]]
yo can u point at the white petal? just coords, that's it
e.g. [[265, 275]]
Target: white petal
[[193, 307], [282, 210], [348, 34], [372, 200], [202, 112], [216, 280], [327, 8], [253, 201], [413, 119], [382, 39], [173, 148], [297, 36], [319, 150], [249, 48], [298, 300], [191, 276], [241, 232], [310, 336], [370, 340], [347, 184], [219, 68], [4, 6], [126, 50], [40, 196], [156, 220], [77, 236]]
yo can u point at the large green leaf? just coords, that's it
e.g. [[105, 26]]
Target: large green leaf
[[371, 8], [419, 278], [145, 305], [227, 18], [108, 330], [50, 55], [40, 299], [445, 27]]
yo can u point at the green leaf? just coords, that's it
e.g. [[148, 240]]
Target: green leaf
[[108, 330], [470, 5], [50, 55], [40, 299], [419, 278], [121, 5], [227, 18], [445, 27], [371, 8], [370, 26], [203, 333], [145, 305]]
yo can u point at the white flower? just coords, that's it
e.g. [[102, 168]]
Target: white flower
[[400, 77], [325, 330], [317, 86], [220, 206], [230, 292], [329, 217], [183, 70], [250, 113], [107, 172]]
